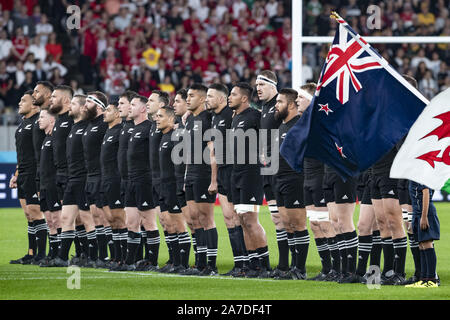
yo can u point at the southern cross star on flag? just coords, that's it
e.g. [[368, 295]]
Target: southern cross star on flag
[[362, 107]]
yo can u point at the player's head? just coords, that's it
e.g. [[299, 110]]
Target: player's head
[[156, 100], [305, 96], [216, 96], [196, 96], [138, 107], [179, 103], [96, 103], [26, 103], [46, 120], [124, 102], [111, 113], [76, 105], [411, 81], [266, 85], [42, 93], [61, 96], [285, 103], [165, 118], [241, 94]]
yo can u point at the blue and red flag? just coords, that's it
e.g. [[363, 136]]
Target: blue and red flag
[[362, 107]]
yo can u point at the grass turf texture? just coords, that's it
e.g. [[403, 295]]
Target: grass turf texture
[[33, 282]]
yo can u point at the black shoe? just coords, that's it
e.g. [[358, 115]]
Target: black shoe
[[124, 267], [209, 271], [438, 280], [57, 262], [351, 278], [47, 263], [37, 260], [265, 274], [252, 273], [332, 276], [412, 279], [26, 259], [319, 277], [282, 275], [192, 272], [298, 275], [166, 268], [101, 264], [229, 273], [176, 269], [238, 273], [152, 268], [141, 265], [395, 280]]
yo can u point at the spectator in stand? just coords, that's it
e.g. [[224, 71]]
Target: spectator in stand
[[147, 84], [54, 48], [5, 45], [44, 29], [75, 87], [167, 86], [39, 73], [271, 8], [38, 49], [428, 86], [56, 78], [20, 45], [22, 20], [29, 64]]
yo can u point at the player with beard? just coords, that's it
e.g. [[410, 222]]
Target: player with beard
[[96, 103], [25, 177], [266, 87], [139, 196], [289, 186], [74, 202], [246, 179], [110, 189], [201, 181], [216, 101]]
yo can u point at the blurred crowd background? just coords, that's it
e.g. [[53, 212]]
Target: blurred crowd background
[[145, 45]]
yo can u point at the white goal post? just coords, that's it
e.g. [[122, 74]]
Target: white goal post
[[298, 40]]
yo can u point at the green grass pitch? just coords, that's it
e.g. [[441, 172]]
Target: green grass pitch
[[31, 282]]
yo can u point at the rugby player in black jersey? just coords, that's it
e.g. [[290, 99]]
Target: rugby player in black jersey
[[289, 190], [25, 177], [139, 195], [175, 223], [110, 189], [317, 211], [246, 179], [266, 87], [216, 101], [96, 103], [201, 181]]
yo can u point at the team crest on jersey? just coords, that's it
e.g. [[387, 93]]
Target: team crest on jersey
[[94, 129], [65, 124], [28, 126]]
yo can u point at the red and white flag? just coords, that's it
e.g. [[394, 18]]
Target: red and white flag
[[425, 155]]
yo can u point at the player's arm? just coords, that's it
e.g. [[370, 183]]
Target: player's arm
[[213, 186], [425, 204], [13, 180]]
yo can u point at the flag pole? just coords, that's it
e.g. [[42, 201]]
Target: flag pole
[[381, 60]]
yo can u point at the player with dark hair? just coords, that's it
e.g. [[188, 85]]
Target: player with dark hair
[[216, 101], [289, 191], [25, 177], [246, 179]]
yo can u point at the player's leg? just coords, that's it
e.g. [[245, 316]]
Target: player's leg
[[153, 238], [365, 224]]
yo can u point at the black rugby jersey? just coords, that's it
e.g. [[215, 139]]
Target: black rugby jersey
[[154, 140], [195, 129], [249, 121], [26, 159], [108, 152], [47, 165], [166, 164], [125, 134], [92, 141], [137, 152], [76, 167], [269, 122], [61, 130], [222, 121], [38, 138], [284, 168], [180, 168]]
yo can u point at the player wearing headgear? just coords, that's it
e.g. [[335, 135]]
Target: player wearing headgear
[[266, 88], [246, 179], [289, 191], [216, 101]]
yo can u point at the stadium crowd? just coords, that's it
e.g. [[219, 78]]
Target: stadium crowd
[[168, 45]]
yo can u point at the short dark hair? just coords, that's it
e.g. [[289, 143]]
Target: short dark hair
[[309, 87], [269, 74], [46, 84], [199, 87], [100, 96], [169, 111], [245, 89], [411, 81], [115, 104], [81, 97], [289, 93], [129, 94], [64, 88], [163, 96], [30, 92], [182, 93], [141, 98], [219, 87]]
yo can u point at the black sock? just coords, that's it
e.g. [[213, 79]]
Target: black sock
[[110, 243], [301, 249], [263, 256], [168, 240], [66, 241], [202, 249], [430, 255], [364, 249], [133, 241], [414, 247], [254, 263], [93, 245], [76, 242], [388, 254], [291, 245], [116, 244], [342, 252], [283, 249], [184, 243], [423, 265], [175, 249], [153, 241], [123, 243], [351, 244], [377, 247], [40, 226], [32, 245], [334, 253], [194, 246], [142, 246], [80, 234], [102, 242], [234, 242], [54, 243], [212, 240], [324, 254], [243, 248], [400, 248]]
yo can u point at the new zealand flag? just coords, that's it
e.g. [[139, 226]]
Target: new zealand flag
[[362, 107]]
